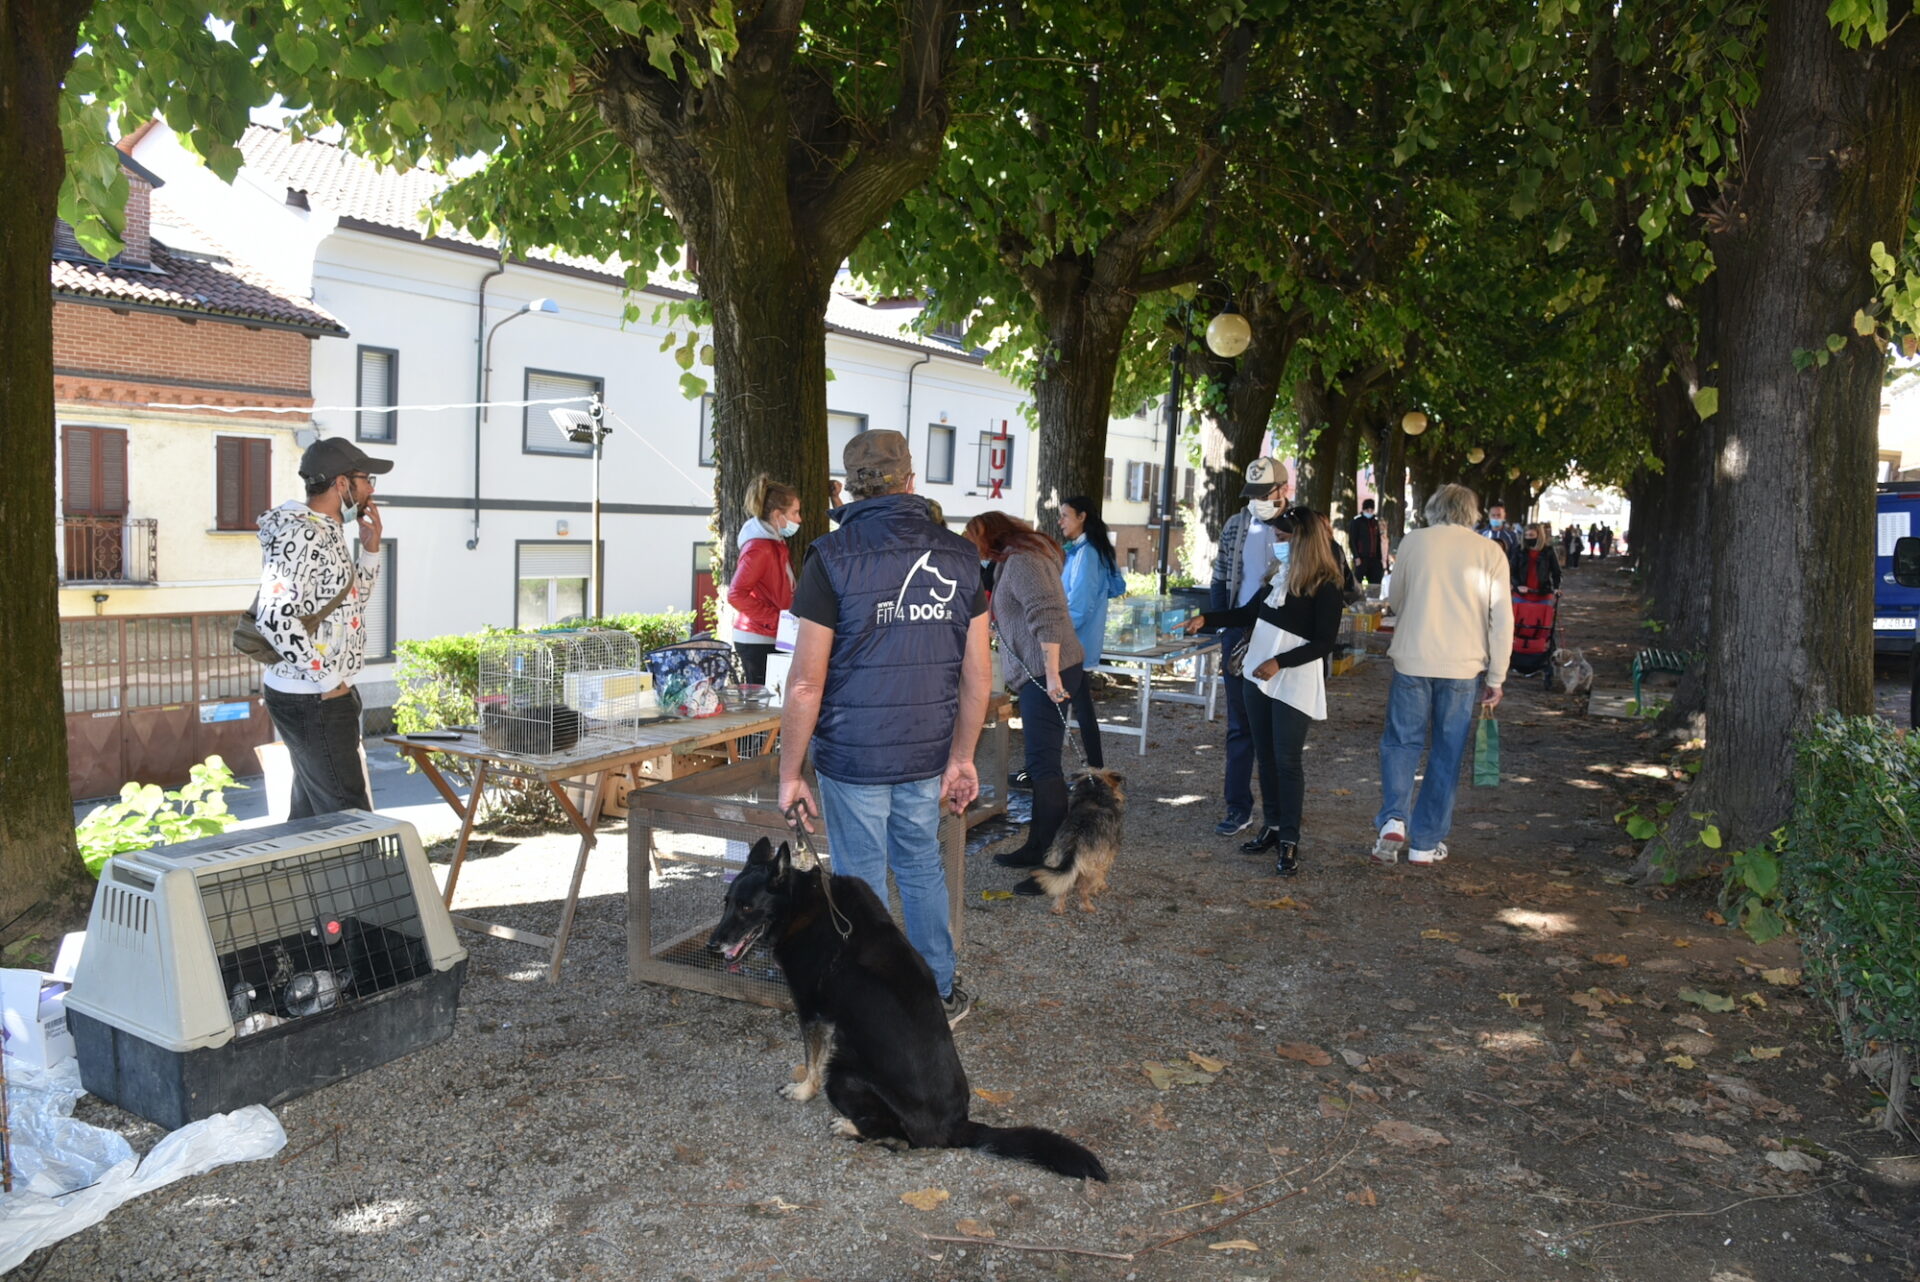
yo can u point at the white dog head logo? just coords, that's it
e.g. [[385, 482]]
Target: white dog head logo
[[938, 600]]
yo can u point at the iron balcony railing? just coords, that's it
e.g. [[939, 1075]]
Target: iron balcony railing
[[108, 549]]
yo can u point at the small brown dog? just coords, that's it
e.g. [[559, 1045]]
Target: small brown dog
[[1088, 842]]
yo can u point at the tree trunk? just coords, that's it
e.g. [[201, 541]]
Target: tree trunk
[[1830, 165], [1393, 481], [1073, 393], [37, 41]]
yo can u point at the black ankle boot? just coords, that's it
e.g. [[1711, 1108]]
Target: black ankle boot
[[1049, 812], [1289, 861], [1267, 840]]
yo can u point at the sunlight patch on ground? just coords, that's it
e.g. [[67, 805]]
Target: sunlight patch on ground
[[376, 1216], [1588, 784], [1510, 1040], [1186, 800], [1539, 923]]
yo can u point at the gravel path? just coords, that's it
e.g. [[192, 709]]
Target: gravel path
[[1441, 1108]]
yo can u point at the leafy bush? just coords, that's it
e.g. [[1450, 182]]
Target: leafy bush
[[1849, 869], [1148, 583], [147, 816]]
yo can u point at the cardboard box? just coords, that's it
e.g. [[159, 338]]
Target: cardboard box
[[33, 1006]]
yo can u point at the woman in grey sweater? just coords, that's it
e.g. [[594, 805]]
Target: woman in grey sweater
[[1043, 661]]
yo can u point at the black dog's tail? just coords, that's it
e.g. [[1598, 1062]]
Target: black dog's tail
[[1031, 1144]]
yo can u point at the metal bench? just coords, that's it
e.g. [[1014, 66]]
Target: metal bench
[[1653, 660]]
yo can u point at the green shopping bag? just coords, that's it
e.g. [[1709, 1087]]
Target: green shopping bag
[[1486, 749]]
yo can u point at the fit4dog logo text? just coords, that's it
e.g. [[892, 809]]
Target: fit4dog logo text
[[935, 606]]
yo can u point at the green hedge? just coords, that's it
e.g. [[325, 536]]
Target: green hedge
[[439, 677], [1850, 885]]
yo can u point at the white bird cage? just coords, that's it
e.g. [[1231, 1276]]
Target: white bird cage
[[558, 694]]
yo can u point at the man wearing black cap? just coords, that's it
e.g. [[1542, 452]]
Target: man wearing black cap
[[313, 593]]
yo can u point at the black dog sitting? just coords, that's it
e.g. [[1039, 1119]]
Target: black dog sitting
[[859, 985]]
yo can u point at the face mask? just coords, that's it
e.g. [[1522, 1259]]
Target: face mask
[[985, 564], [1264, 510], [1495, 522], [1283, 552], [349, 510], [788, 530]]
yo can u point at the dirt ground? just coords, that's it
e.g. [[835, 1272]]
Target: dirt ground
[[1509, 1066]]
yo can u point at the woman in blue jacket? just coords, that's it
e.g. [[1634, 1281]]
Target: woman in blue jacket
[[1090, 578]]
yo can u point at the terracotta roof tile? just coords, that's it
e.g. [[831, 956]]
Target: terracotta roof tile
[[186, 283]]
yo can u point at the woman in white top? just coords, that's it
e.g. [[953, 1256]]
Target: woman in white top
[[1294, 627]]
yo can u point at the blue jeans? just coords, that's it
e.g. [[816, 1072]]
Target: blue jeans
[[1279, 739], [324, 748], [872, 828], [1413, 705], [1240, 755]]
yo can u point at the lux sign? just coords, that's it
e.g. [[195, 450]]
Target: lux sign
[[999, 458]]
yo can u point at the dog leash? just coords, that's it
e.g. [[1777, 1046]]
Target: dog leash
[[1059, 710], [796, 816]]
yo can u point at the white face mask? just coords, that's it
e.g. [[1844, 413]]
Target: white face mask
[[790, 529], [1263, 509], [349, 510]]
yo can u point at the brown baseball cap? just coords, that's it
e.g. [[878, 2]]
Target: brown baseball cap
[[336, 456], [1262, 475], [877, 457]]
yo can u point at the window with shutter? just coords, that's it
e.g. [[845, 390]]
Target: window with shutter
[[706, 430], [379, 385], [243, 481], [940, 442], [1106, 483], [552, 582], [94, 471], [377, 619], [538, 435], [842, 428]]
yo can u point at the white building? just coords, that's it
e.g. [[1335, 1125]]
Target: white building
[[487, 516]]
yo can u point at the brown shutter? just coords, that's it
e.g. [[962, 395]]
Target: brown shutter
[[113, 472], [77, 463], [259, 488], [229, 489]]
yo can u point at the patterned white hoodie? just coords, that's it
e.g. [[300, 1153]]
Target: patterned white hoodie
[[306, 559]]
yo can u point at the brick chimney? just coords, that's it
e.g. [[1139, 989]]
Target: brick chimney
[[138, 233]]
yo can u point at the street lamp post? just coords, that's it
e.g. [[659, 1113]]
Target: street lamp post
[[544, 306], [1228, 335], [587, 427]]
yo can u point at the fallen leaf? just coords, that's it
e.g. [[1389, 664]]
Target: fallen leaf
[[1589, 1003], [1680, 1061], [1205, 1063], [996, 894], [925, 1199], [1157, 1118], [1612, 959], [1765, 1052], [1168, 1076], [1285, 902], [1406, 1135], [1705, 1144], [1713, 918], [1682, 943], [1304, 1053], [1794, 1160], [1402, 1004], [994, 1097], [1447, 935], [1365, 1197], [1354, 1059], [1238, 1244], [1754, 999], [1781, 976], [1711, 1001], [1332, 1106], [1512, 999], [975, 1228]]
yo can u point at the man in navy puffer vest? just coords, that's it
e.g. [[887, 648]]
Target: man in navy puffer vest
[[889, 687]]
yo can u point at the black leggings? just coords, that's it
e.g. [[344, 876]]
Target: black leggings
[[753, 660], [1089, 718], [1279, 736]]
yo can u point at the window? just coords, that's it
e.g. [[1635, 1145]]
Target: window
[[377, 619], [242, 481], [1186, 487], [706, 430], [1136, 482], [1133, 559], [951, 331], [939, 454], [842, 428], [552, 582], [378, 384], [94, 471], [1106, 481], [538, 434], [994, 450]]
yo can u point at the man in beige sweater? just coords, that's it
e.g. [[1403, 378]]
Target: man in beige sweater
[[1452, 637]]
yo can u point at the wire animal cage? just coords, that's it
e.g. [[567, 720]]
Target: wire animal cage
[[258, 965], [687, 839], [553, 694]]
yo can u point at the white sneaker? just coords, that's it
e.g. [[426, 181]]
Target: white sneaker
[[1393, 840], [1434, 856]]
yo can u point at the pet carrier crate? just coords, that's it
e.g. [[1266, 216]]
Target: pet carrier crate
[[544, 695], [258, 965], [687, 840]]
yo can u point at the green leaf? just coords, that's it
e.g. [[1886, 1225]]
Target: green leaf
[[692, 386], [1640, 828], [1883, 264], [1706, 402], [1710, 837], [1863, 324], [1835, 342]]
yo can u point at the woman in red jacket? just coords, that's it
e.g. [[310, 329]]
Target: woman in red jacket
[[763, 576]]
